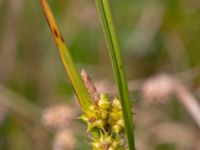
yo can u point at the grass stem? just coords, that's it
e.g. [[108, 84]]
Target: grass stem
[[106, 18]]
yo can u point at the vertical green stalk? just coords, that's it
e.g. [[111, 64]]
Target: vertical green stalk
[[118, 66]]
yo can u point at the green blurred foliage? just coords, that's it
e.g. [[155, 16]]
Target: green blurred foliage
[[155, 36]]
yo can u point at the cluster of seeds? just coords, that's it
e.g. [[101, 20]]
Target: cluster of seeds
[[105, 124]]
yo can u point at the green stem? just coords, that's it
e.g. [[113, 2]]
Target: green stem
[[118, 66]]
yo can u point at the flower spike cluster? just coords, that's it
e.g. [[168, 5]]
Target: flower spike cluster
[[105, 124]]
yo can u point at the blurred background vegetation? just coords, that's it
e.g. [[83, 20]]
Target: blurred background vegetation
[[156, 36]]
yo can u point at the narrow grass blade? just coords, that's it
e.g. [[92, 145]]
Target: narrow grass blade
[[74, 76], [118, 66]]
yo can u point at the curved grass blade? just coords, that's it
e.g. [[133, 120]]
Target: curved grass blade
[[79, 87], [118, 66]]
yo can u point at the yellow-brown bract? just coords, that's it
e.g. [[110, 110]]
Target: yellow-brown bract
[[79, 87]]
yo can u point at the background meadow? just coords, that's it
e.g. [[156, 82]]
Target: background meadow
[[160, 43]]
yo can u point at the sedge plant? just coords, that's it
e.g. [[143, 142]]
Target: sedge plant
[[109, 119]]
